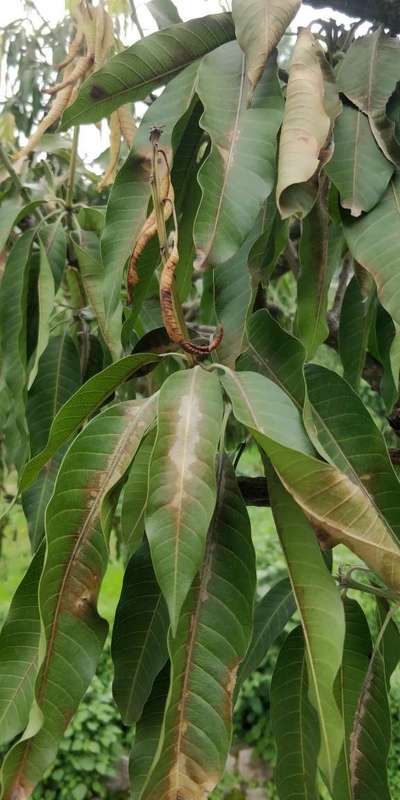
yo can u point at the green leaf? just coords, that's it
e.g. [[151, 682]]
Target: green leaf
[[345, 434], [340, 507], [46, 294], [164, 12], [271, 614], [13, 335], [371, 733], [243, 136], [139, 642], [58, 377], [312, 104], [294, 723], [54, 240], [270, 245], [135, 496], [356, 318], [149, 63], [77, 522], [128, 204], [368, 76], [92, 275], [358, 168], [276, 354], [260, 25], [356, 654], [322, 622], [374, 241], [310, 323], [8, 212], [181, 479], [19, 651], [147, 733], [387, 352], [212, 638], [81, 406]]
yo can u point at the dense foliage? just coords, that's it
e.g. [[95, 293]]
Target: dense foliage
[[147, 341]]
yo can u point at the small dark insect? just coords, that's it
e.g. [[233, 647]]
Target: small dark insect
[[156, 133]]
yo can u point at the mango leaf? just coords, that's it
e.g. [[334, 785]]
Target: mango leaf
[[371, 732], [58, 377], [135, 496], [323, 622], [81, 405], [46, 294], [55, 244], [345, 434], [276, 354], [310, 323], [294, 723], [19, 653], [340, 507], [356, 654], [92, 276], [387, 352], [356, 318], [374, 241], [243, 151], [149, 63], [358, 167], [164, 12], [13, 324], [76, 559], [270, 245], [312, 104], [259, 26], [368, 76], [271, 614], [181, 478], [128, 204], [147, 733], [213, 634], [11, 214], [139, 642]]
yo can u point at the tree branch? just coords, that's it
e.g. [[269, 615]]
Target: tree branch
[[386, 12]]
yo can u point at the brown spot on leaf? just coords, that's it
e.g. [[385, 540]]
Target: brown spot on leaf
[[97, 92]]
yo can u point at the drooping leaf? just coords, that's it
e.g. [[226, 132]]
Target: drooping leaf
[[164, 12], [46, 293], [259, 26], [270, 245], [294, 723], [368, 75], [276, 354], [139, 642], [358, 168], [371, 732], [271, 614], [8, 212], [81, 406], [356, 318], [149, 63], [342, 508], [147, 733], [322, 622], [243, 136], [387, 352], [316, 272], [356, 654], [374, 241], [13, 332], [346, 435], [55, 244], [181, 479], [92, 276], [58, 377], [77, 521], [19, 653], [130, 195], [311, 107], [212, 638], [135, 496]]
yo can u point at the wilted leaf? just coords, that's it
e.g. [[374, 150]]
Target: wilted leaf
[[150, 62], [260, 25], [76, 560], [368, 75], [358, 168], [139, 643], [241, 163], [311, 107], [181, 479], [212, 638]]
